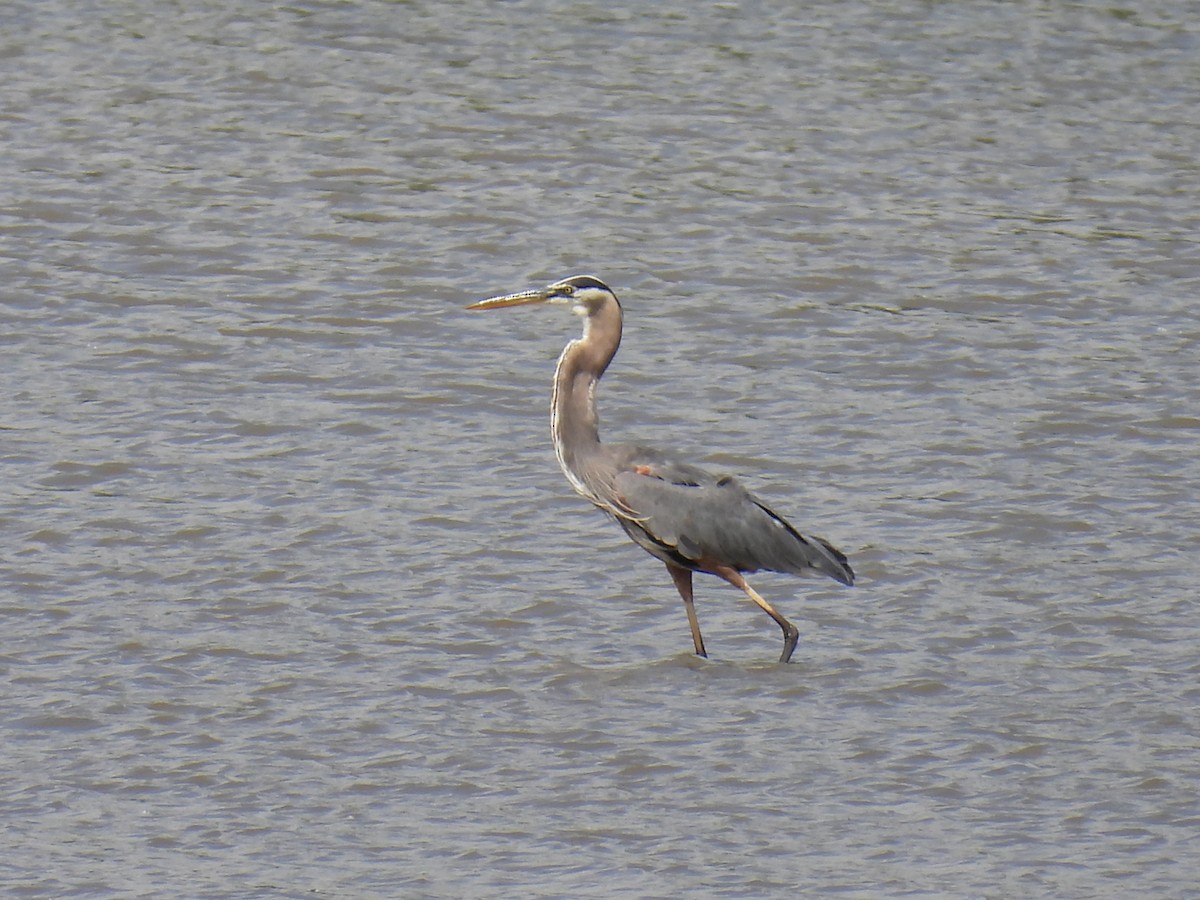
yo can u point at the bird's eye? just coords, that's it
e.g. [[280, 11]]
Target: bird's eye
[[567, 290]]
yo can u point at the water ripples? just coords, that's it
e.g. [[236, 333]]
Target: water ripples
[[296, 601]]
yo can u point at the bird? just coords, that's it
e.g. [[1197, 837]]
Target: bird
[[679, 513]]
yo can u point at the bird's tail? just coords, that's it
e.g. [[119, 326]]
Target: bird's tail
[[798, 553], [829, 560]]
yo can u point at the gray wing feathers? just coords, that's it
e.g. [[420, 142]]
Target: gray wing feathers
[[717, 519]]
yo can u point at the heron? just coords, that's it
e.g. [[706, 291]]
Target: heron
[[681, 514]]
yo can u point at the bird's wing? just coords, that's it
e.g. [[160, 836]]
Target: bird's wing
[[703, 518]]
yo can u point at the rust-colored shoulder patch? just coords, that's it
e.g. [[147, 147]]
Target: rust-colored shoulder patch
[[643, 470]]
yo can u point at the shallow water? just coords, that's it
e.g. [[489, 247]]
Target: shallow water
[[295, 599]]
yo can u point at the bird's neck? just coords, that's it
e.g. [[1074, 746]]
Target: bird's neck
[[574, 423]]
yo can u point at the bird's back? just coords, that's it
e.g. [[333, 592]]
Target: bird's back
[[687, 516]]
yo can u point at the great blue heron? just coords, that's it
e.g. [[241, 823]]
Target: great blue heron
[[690, 519]]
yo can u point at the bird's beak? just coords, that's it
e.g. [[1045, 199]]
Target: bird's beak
[[541, 295]]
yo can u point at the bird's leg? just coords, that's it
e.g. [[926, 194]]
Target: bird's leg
[[790, 634], [683, 583]]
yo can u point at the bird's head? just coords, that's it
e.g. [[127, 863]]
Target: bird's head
[[587, 294]]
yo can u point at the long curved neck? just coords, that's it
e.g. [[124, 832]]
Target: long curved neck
[[574, 423]]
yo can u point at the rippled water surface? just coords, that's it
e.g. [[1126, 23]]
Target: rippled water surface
[[295, 600]]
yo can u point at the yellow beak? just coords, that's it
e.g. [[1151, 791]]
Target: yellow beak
[[541, 295]]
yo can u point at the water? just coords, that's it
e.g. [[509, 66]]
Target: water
[[296, 602]]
